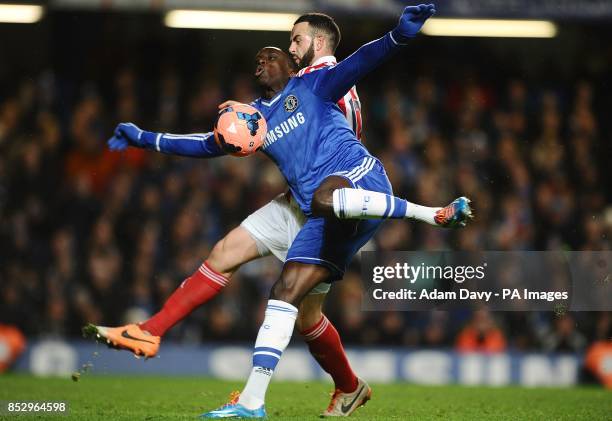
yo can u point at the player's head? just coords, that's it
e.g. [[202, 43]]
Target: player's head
[[273, 67], [314, 35]]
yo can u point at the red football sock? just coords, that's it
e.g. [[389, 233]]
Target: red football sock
[[200, 287], [324, 344]]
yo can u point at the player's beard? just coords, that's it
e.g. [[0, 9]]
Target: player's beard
[[308, 57]]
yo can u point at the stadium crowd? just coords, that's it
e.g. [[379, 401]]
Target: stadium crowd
[[89, 235]]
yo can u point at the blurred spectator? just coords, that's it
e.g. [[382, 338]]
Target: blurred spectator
[[564, 337], [481, 335], [597, 360], [12, 344]]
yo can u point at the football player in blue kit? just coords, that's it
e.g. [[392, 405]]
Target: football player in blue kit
[[340, 187]]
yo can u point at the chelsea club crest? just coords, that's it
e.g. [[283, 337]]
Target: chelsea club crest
[[291, 103]]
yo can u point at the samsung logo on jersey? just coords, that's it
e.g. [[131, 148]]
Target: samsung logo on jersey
[[284, 128]]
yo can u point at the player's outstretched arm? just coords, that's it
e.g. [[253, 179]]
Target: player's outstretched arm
[[194, 145], [333, 83]]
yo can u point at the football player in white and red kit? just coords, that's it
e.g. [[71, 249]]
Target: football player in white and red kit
[[311, 51]]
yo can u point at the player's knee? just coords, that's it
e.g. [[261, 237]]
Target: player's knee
[[286, 290], [320, 205], [218, 259], [310, 311], [308, 317], [322, 200], [289, 287], [296, 280]]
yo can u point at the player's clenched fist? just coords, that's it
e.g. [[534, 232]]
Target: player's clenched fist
[[126, 134], [412, 20]]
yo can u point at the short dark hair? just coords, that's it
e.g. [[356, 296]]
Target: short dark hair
[[324, 23]]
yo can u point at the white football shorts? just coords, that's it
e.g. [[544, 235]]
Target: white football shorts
[[275, 226]]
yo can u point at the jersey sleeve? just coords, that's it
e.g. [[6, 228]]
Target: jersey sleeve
[[331, 83], [198, 145]]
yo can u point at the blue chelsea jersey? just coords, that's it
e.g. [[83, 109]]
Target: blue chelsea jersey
[[308, 137]]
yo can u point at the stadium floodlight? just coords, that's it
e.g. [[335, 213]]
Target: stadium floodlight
[[490, 28], [214, 19], [20, 13]]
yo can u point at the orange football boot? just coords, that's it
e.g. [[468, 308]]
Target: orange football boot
[[130, 337]]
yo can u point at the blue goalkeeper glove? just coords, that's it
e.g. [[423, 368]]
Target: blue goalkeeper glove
[[126, 134], [411, 21]]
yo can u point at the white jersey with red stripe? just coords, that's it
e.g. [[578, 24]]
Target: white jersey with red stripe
[[349, 104]]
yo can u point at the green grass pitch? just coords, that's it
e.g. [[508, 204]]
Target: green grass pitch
[[97, 397]]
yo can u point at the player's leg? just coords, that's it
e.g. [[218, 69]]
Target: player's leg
[[320, 253], [261, 233], [277, 231], [228, 254], [295, 281], [335, 198], [310, 312], [235, 249], [324, 342], [325, 345], [267, 230]]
